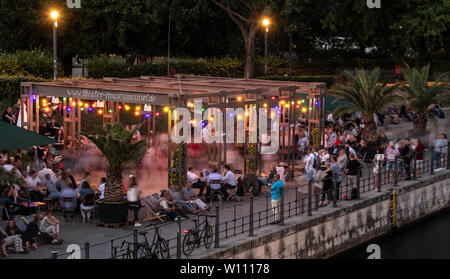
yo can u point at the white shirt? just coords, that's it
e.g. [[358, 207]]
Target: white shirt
[[310, 162], [229, 178], [214, 176], [132, 194], [191, 177], [44, 171], [330, 117], [101, 188], [33, 182]]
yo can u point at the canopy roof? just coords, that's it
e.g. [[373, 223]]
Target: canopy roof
[[158, 90], [14, 137]]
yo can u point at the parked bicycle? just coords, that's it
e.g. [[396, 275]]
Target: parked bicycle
[[194, 237], [158, 249], [124, 251]]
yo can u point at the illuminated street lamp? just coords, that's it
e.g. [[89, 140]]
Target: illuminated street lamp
[[265, 23], [54, 15]]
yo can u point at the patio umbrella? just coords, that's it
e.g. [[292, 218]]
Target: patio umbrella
[[13, 137]]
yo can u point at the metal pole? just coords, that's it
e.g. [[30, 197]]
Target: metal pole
[[179, 240], [309, 198], [282, 208], [396, 172], [250, 229], [290, 56], [86, 251], [414, 165], [55, 66], [168, 44], [448, 156], [379, 176], [55, 255], [335, 192], [432, 161], [216, 244], [135, 240], [265, 51], [358, 185]]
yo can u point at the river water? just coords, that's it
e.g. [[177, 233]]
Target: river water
[[427, 239]]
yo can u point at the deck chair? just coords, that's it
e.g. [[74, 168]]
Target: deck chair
[[152, 209], [232, 193]]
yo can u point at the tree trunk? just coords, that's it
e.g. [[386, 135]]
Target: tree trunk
[[420, 121], [113, 186], [369, 132], [249, 38]]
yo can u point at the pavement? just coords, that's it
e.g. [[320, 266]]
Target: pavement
[[234, 220]]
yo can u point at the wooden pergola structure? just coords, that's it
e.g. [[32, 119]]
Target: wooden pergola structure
[[182, 91]]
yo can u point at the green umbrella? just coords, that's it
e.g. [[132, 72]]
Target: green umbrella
[[13, 137]]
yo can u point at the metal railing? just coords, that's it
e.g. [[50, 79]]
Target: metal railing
[[245, 217]]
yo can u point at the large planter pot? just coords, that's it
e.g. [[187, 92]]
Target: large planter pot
[[113, 212]]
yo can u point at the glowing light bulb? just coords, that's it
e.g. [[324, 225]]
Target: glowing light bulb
[[239, 117], [86, 105], [265, 105], [138, 108], [239, 98], [100, 111], [137, 113], [304, 109], [166, 109]]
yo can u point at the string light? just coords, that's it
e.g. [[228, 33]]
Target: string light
[[211, 119], [286, 106], [239, 117], [74, 104], [265, 105], [282, 102], [100, 111], [47, 109], [190, 105], [304, 110], [147, 115], [137, 113], [86, 105], [82, 109], [127, 107], [273, 97], [157, 114], [138, 108], [90, 109], [166, 109], [299, 102], [119, 107], [94, 105], [110, 111], [292, 102], [194, 122], [239, 98]]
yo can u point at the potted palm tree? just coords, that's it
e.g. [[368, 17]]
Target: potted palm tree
[[115, 142], [365, 93], [420, 94]]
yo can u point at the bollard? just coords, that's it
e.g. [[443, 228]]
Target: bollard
[[281, 207], [250, 229], [396, 172], [335, 192], [135, 243], [216, 243], [379, 175], [432, 161], [414, 165], [309, 198], [86, 251], [179, 240], [358, 186], [55, 255]]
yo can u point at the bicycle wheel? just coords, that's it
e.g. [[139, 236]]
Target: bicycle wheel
[[143, 252], [208, 237], [163, 249], [188, 244]]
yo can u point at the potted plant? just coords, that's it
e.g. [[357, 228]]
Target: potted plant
[[115, 142]]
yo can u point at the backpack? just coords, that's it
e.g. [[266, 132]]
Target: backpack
[[316, 164], [89, 200]]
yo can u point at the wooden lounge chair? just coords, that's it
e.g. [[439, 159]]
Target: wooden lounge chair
[[152, 209]]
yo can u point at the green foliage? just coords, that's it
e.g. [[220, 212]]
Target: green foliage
[[417, 90], [37, 63], [115, 142], [365, 93], [8, 178], [175, 174], [10, 89]]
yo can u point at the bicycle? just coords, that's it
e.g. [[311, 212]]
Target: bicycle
[[193, 237], [158, 249], [123, 254]]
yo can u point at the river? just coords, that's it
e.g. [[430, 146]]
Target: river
[[427, 239]]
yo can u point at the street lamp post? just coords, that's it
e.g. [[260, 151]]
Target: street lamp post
[[54, 15], [266, 23]]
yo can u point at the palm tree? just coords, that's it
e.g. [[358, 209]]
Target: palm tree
[[420, 94], [367, 95], [115, 142], [8, 178]]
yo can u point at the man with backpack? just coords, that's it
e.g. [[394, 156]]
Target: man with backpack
[[312, 164]]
